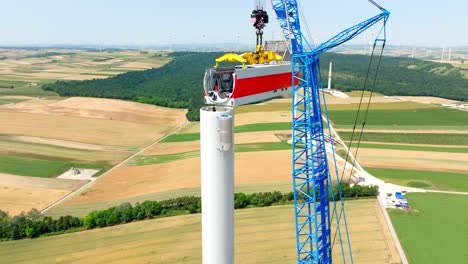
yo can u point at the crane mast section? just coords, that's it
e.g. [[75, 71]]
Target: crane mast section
[[310, 166]]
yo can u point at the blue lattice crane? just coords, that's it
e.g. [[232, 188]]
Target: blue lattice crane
[[311, 175]]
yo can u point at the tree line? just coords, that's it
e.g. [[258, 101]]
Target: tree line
[[33, 224]]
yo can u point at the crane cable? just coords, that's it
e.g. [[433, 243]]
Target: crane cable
[[357, 118], [304, 22], [358, 113], [367, 109]]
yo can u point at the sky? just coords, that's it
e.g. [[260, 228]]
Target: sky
[[159, 22]]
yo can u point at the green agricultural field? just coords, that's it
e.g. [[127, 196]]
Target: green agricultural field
[[263, 107], [10, 101], [262, 146], [181, 137], [248, 147], [395, 118], [40, 167], [25, 89], [432, 180], [32, 166], [412, 147], [380, 106], [237, 129], [156, 159], [263, 235], [45, 151], [9, 84], [263, 127], [358, 93], [436, 231], [410, 138]]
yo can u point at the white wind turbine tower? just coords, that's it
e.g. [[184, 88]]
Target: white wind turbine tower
[[203, 43], [370, 40], [442, 56], [171, 38]]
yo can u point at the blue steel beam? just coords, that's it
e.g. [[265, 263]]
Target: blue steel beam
[[350, 33], [311, 176]]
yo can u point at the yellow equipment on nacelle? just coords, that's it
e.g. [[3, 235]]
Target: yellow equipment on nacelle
[[260, 18], [260, 56]]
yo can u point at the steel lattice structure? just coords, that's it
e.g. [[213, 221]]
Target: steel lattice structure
[[311, 176]]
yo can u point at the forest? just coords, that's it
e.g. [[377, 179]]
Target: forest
[[179, 84], [398, 76]]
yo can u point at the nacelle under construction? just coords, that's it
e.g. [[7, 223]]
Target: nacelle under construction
[[262, 75], [238, 85]]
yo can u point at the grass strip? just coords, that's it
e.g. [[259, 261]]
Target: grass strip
[[248, 147], [447, 181], [26, 166], [408, 147], [400, 117], [411, 138], [238, 129]]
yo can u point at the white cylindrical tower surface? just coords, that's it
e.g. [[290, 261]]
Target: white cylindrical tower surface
[[217, 184]]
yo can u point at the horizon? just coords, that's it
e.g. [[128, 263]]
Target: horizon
[[54, 22], [179, 45]]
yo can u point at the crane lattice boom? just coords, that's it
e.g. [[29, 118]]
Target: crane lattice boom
[[311, 176]]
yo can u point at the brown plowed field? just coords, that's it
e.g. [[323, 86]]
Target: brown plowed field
[[80, 129], [250, 168], [415, 160], [263, 117], [21, 193], [426, 99], [109, 109]]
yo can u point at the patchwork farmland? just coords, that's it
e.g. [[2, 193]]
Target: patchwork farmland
[[20, 67], [409, 141], [46, 137]]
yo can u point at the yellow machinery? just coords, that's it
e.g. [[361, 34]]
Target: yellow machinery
[[260, 18], [258, 57]]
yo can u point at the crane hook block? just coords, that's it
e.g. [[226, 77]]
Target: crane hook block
[[259, 18]]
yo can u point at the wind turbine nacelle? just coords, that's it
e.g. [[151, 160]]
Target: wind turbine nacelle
[[239, 86]]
